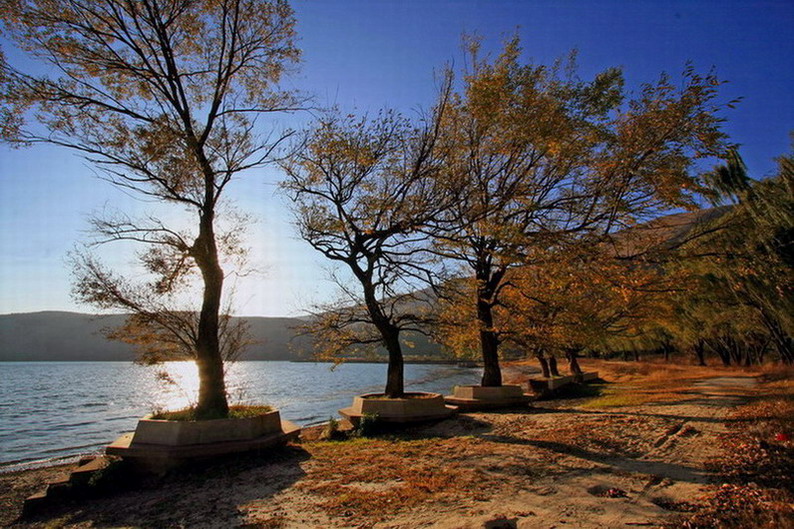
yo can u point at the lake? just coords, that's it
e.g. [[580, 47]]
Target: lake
[[52, 412]]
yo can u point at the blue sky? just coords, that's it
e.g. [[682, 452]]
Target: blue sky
[[364, 55]]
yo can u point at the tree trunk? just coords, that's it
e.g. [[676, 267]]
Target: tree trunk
[[748, 357], [700, 352], [783, 342], [395, 383], [212, 401], [544, 364], [489, 341], [724, 355], [573, 363], [666, 348], [735, 349], [390, 334], [553, 366]]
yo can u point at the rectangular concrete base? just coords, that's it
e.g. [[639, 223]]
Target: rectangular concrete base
[[542, 384], [587, 377]]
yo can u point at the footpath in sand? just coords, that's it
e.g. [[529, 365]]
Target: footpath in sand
[[623, 458]]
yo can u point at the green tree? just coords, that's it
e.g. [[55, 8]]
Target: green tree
[[163, 96], [732, 271], [745, 270]]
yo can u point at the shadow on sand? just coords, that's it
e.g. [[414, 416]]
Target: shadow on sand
[[206, 494]]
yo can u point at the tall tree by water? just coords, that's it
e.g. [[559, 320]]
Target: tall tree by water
[[164, 96]]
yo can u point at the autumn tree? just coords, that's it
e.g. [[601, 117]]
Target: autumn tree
[[551, 160], [577, 299], [365, 191], [165, 97]]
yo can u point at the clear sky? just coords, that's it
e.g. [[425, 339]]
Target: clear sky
[[368, 54]]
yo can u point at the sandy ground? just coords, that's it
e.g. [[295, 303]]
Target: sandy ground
[[559, 464]]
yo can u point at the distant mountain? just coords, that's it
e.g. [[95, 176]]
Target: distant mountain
[[71, 336], [668, 232]]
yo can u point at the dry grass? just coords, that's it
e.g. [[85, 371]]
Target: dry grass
[[372, 478], [235, 412], [637, 383]]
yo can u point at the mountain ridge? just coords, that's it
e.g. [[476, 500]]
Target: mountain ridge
[[53, 335]]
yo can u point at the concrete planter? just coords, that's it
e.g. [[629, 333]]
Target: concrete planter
[[472, 398], [488, 393], [180, 433], [540, 385], [159, 445], [586, 377], [415, 407]]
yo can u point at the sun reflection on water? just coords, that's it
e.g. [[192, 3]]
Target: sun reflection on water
[[179, 389]]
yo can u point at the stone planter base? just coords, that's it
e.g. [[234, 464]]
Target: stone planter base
[[541, 384], [473, 398], [180, 433], [397, 411], [158, 445]]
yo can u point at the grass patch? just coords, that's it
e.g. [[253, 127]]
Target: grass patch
[[616, 399], [189, 414], [638, 383], [381, 396]]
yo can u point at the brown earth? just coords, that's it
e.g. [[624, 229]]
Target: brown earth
[[624, 454]]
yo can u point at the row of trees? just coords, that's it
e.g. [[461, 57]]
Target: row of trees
[[489, 222], [734, 297]]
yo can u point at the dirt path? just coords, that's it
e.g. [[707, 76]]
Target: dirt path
[[561, 464], [655, 457]]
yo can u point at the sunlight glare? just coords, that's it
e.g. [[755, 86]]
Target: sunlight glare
[[180, 389]]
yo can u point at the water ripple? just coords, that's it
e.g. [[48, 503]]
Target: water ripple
[[55, 410]]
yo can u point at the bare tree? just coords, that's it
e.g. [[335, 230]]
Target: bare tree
[[365, 192], [164, 96]]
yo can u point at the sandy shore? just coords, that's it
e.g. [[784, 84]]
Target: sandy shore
[[620, 459]]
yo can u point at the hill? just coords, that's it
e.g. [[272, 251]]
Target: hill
[[71, 336]]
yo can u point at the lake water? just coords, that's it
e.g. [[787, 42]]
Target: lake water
[[54, 411]]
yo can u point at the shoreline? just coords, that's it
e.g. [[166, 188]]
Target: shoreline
[[627, 453], [103, 423]]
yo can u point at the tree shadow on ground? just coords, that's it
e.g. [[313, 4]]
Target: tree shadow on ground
[[208, 493], [620, 413], [455, 426], [627, 464]]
